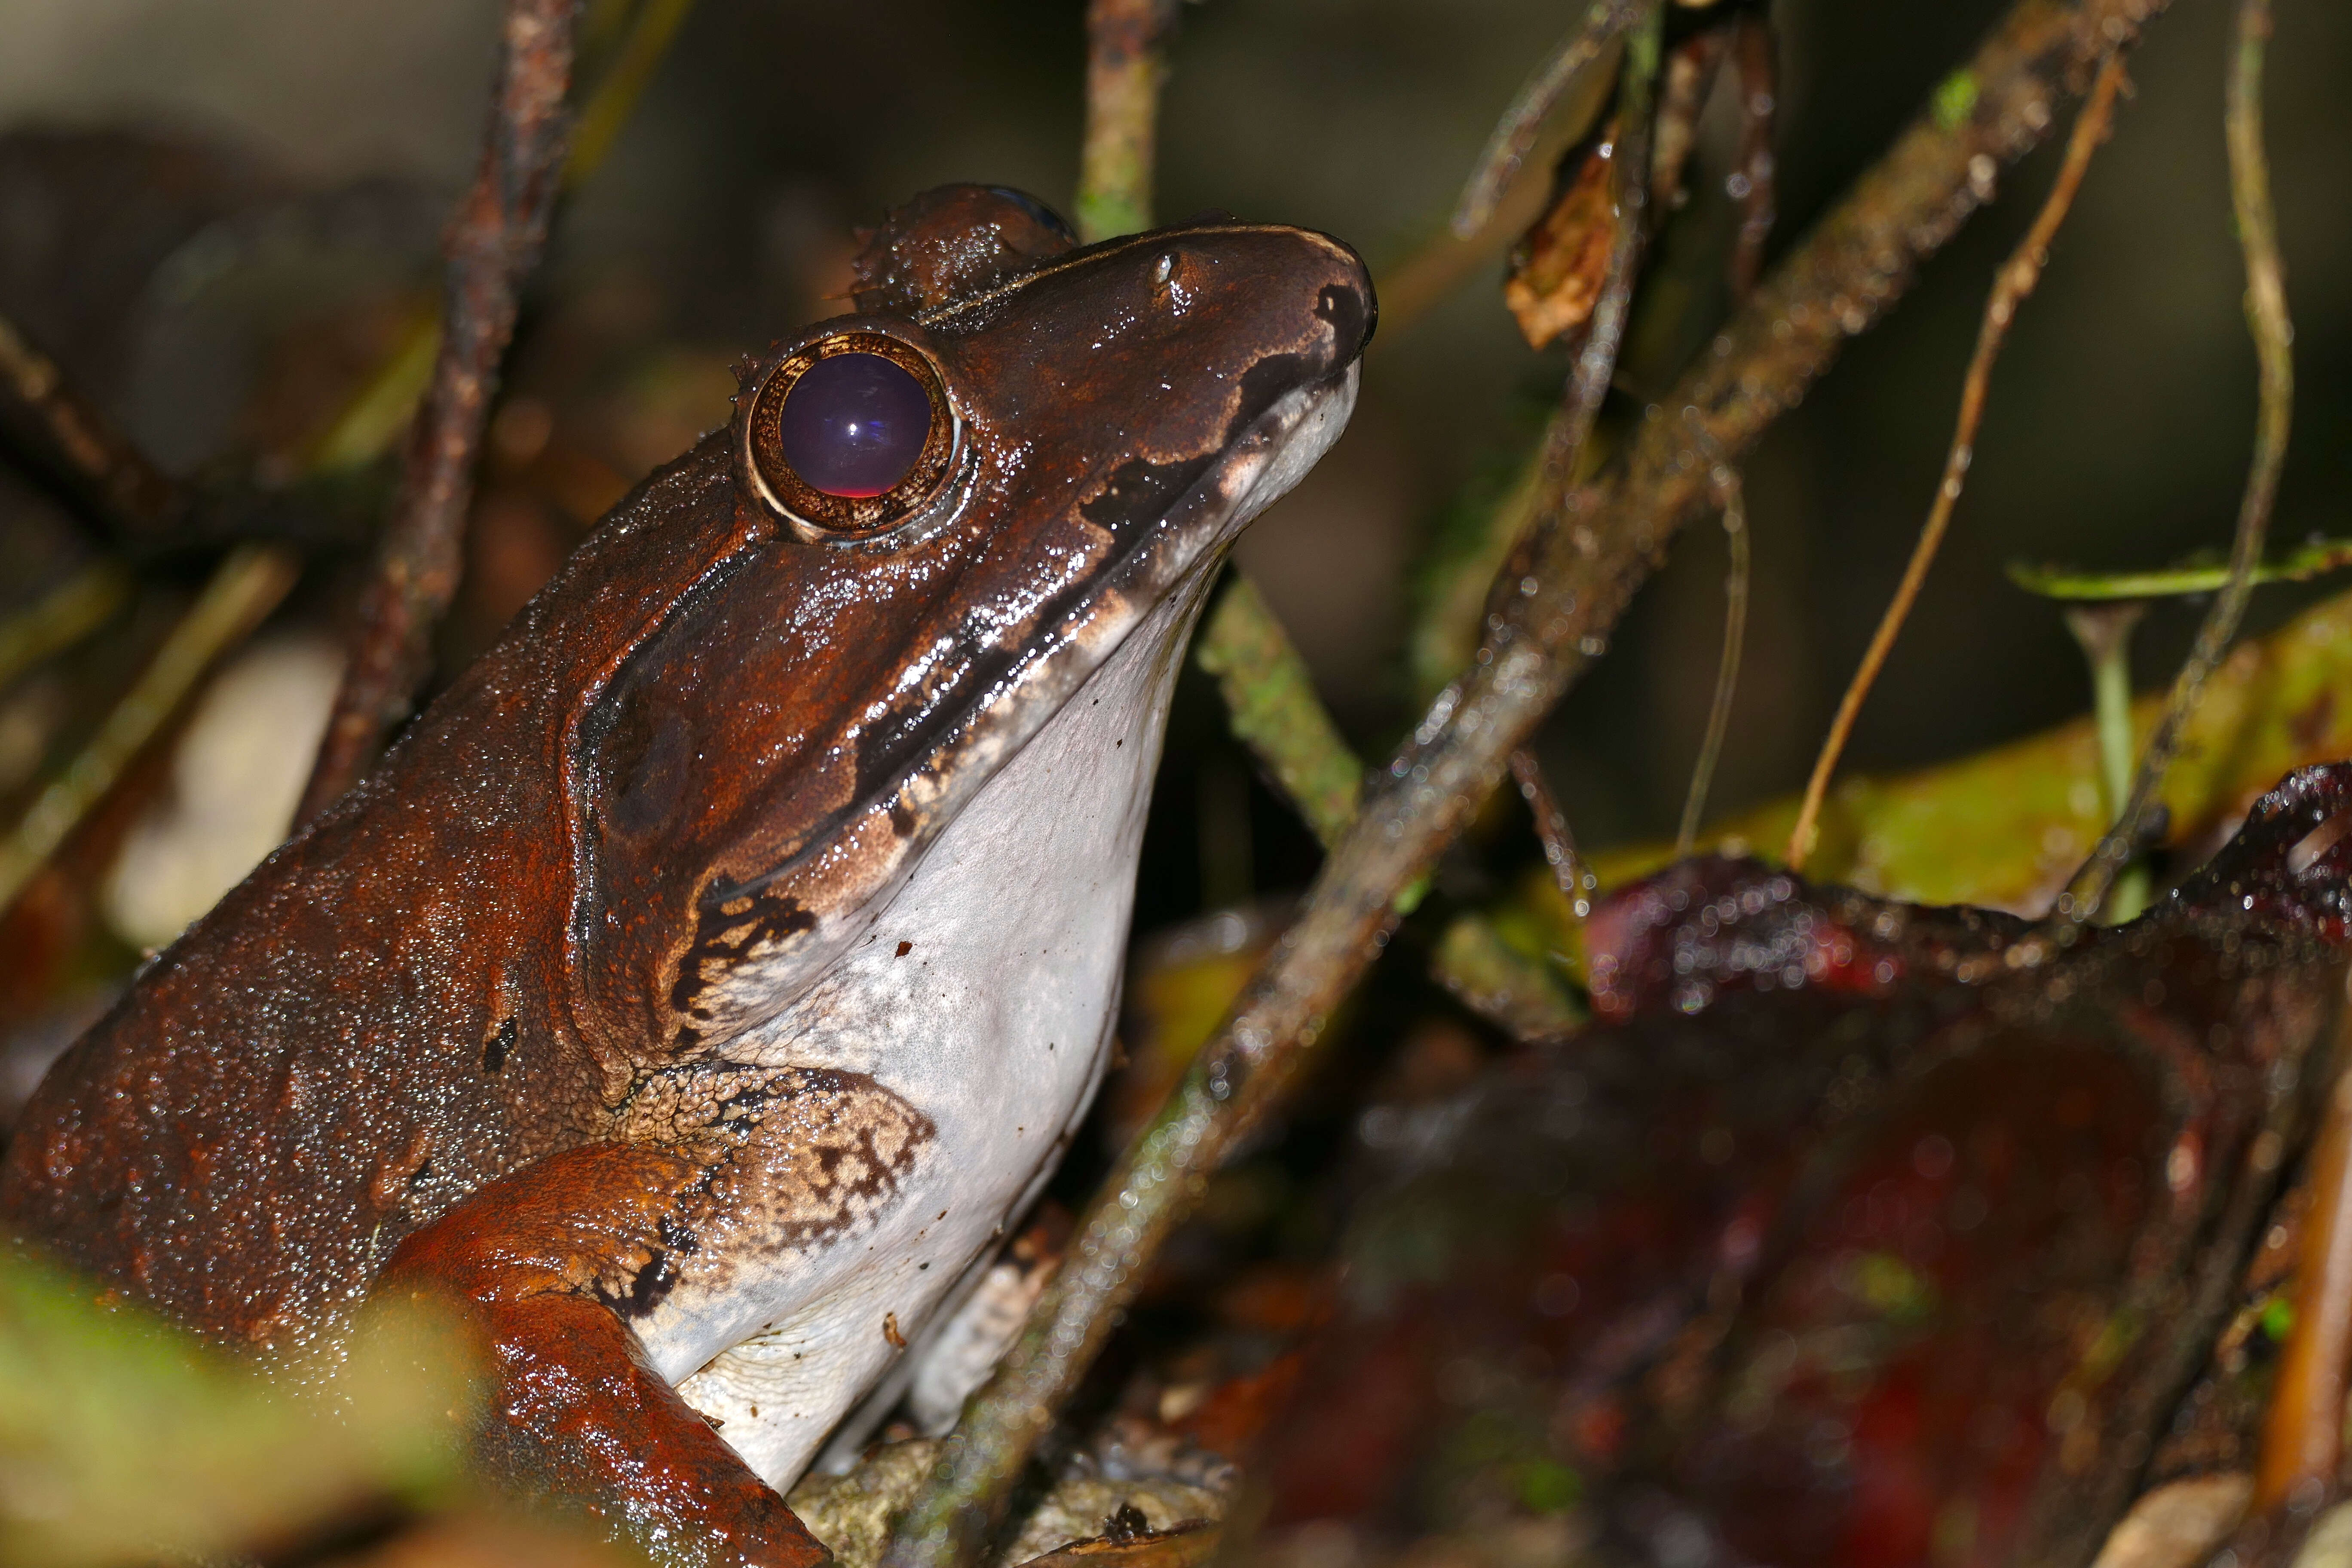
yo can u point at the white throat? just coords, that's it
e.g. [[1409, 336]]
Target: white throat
[[982, 995], [985, 995]]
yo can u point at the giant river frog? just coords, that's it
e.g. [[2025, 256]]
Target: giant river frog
[[702, 984]]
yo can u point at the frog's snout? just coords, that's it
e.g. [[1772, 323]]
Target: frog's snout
[[1351, 304]]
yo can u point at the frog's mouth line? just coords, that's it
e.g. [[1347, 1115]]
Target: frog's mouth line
[[1198, 508], [848, 871]]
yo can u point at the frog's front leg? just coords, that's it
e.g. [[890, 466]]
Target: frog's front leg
[[563, 1262]]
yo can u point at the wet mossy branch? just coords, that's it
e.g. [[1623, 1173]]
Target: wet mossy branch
[[1126, 64], [1270, 699]]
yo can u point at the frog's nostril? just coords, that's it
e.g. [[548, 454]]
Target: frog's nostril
[[854, 424], [1351, 311]]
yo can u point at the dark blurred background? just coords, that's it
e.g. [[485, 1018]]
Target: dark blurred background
[[2119, 424]]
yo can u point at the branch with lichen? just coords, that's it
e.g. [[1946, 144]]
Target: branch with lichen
[[1275, 711], [1126, 63]]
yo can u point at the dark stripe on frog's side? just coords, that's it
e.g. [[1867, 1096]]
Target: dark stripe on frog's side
[[1135, 499], [1137, 495], [728, 929]]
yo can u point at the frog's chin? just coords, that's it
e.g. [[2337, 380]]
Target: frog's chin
[[1298, 429]]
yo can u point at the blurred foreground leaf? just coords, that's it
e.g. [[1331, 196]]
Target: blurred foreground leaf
[[122, 1440]]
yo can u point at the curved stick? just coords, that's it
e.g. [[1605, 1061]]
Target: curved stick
[[2273, 334], [2014, 281]]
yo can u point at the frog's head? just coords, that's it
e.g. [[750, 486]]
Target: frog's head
[[950, 511]]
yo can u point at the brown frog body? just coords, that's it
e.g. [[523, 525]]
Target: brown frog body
[[711, 974]]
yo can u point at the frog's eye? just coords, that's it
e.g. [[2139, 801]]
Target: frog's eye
[[851, 434]]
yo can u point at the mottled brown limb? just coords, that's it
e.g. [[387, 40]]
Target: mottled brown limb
[[1126, 64], [2273, 335], [492, 247], [2012, 284], [576, 1411], [1756, 50], [63, 436]]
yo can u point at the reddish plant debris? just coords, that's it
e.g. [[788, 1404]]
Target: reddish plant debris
[[1865, 1235]]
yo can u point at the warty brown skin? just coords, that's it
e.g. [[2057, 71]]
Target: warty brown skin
[[461, 1030]]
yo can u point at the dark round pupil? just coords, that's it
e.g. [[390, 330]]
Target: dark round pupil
[[854, 424]]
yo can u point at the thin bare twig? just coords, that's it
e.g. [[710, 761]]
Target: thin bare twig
[[1735, 636], [2303, 1431], [1514, 134], [1594, 549], [1126, 63], [2012, 284], [65, 437], [1692, 67], [243, 589], [493, 246], [2273, 335], [1574, 878]]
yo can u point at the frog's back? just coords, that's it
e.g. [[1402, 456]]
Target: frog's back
[[296, 1084], [365, 1030]]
